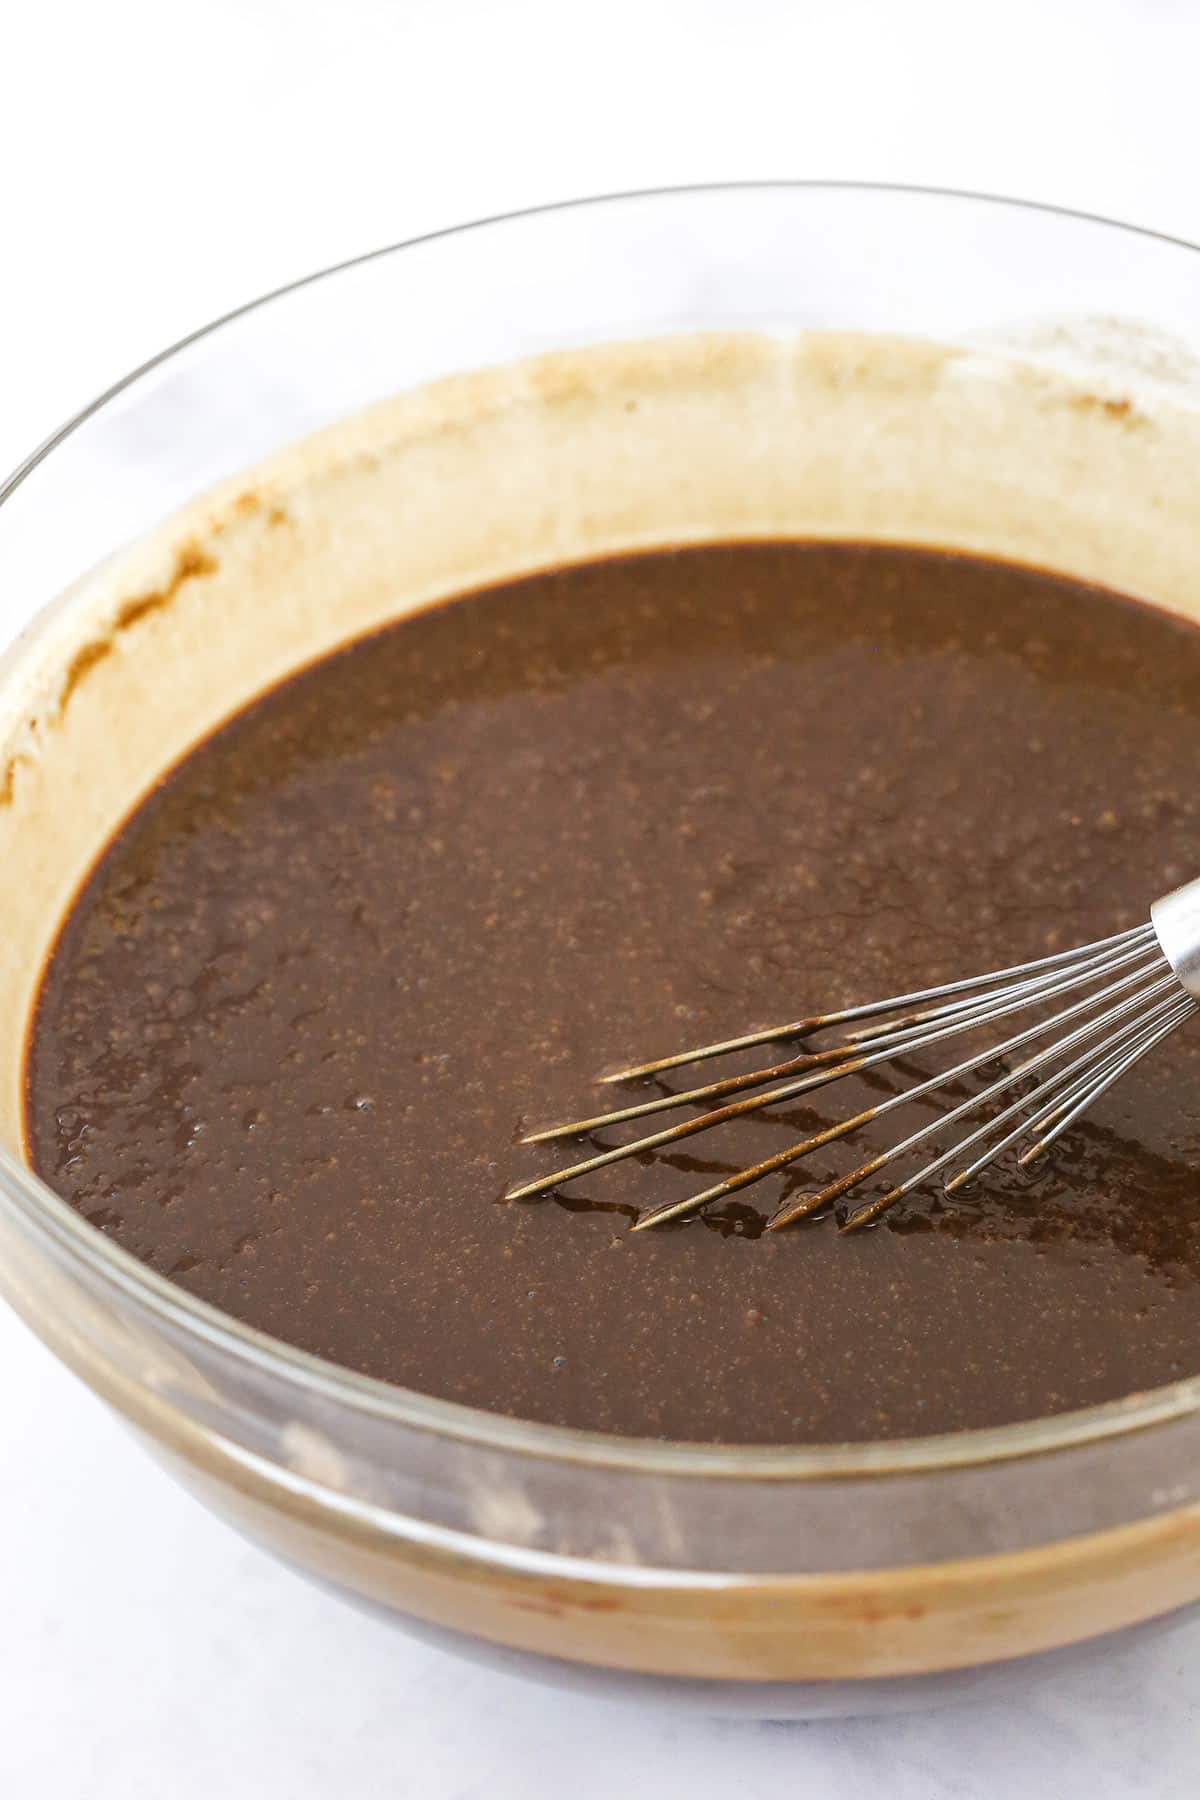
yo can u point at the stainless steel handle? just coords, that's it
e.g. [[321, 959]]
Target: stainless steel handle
[[1176, 919]]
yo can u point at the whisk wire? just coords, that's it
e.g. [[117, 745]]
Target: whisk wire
[[1137, 987], [835, 1064], [815, 1022], [863, 1054], [811, 1203], [981, 1005], [1133, 1041], [1099, 1087], [875, 1209]]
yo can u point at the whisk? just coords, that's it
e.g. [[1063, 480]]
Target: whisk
[[1124, 995]]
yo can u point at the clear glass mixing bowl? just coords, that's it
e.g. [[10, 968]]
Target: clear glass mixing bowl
[[772, 1581]]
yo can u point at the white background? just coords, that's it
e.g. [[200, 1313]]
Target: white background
[[160, 162]]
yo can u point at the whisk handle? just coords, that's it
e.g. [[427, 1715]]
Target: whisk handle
[[1176, 920]]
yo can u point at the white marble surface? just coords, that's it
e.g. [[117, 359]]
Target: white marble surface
[[161, 163]]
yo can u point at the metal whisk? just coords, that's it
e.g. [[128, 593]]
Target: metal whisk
[[1128, 993]]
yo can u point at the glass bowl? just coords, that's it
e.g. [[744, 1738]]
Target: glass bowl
[[783, 358]]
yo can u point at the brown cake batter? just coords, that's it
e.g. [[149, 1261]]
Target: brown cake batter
[[410, 903]]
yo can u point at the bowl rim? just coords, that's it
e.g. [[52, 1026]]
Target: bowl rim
[[46, 1215]]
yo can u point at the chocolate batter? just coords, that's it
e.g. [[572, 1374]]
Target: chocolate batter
[[410, 903]]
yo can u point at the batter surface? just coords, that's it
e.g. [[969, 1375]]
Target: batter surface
[[408, 904]]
